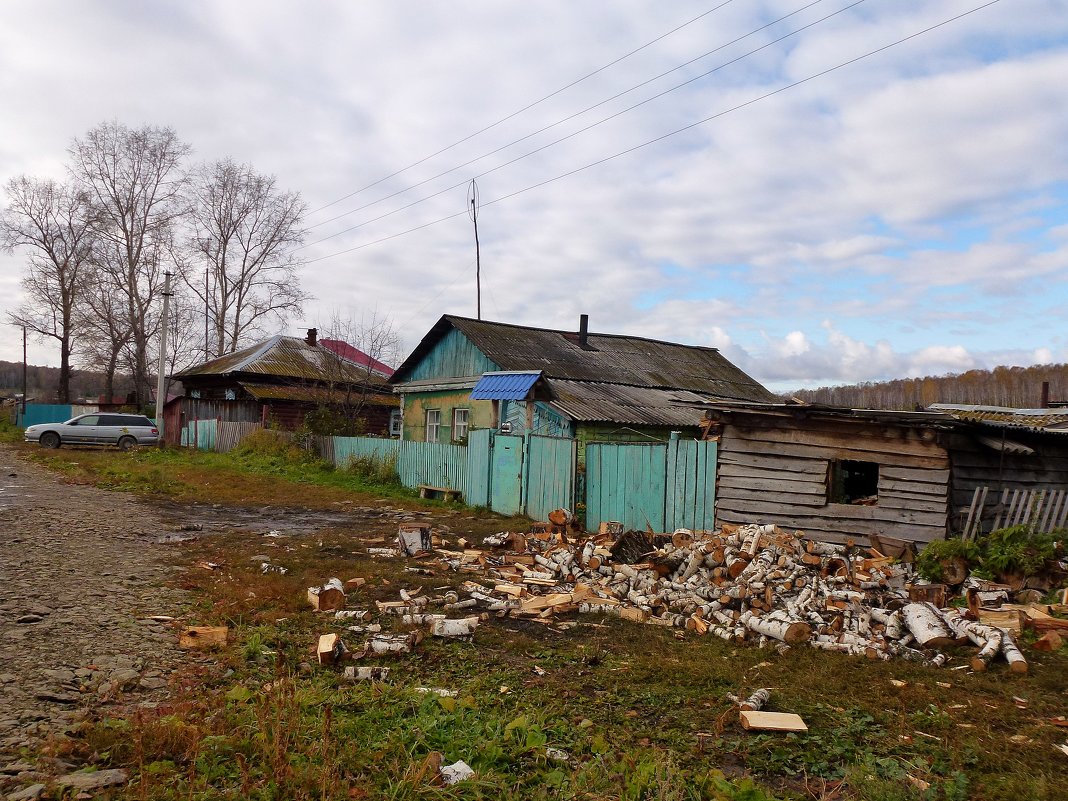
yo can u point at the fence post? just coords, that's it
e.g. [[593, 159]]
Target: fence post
[[524, 481]]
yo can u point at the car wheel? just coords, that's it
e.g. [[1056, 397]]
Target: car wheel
[[50, 439], [125, 443]]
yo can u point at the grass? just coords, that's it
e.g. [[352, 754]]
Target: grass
[[639, 712]]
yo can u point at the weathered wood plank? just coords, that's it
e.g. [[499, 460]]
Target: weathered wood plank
[[813, 452], [839, 511], [774, 484], [890, 486], [923, 504], [912, 474], [834, 530], [741, 472], [744, 458], [859, 439]]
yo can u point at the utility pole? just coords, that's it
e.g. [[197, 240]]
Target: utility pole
[[24, 369], [160, 380], [473, 196]]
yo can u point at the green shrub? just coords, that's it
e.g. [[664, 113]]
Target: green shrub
[[373, 469], [929, 562], [1016, 550], [269, 444]]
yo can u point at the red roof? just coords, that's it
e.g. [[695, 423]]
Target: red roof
[[347, 351]]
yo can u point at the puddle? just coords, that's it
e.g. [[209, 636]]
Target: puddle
[[189, 521]]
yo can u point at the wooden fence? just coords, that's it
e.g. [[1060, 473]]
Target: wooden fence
[[1042, 509]]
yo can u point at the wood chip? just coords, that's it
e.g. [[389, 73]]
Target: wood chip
[[771, 721]]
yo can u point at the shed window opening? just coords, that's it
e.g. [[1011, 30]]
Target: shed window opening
[[459, 424], [853, 482], [433, 424]]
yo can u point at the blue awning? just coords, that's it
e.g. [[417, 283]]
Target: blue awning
[[505, 386]]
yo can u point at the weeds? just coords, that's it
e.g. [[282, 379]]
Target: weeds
[[1016, 550]]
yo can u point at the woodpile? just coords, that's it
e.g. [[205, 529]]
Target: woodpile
[[750, 583]]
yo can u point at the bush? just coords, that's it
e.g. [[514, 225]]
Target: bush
[[268, 444], [375, 469], [1016, 550]]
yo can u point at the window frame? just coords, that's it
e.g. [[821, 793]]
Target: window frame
[[456, 426], [837, 476], [436, 424]]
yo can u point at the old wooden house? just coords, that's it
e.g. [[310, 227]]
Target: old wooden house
[[918, 476], [278, 381], [473, 374]]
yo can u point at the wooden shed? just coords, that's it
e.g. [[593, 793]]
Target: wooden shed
[[847, 473]]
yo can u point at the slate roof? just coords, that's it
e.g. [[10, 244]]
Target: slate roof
[[606, 359], [589, 401], [290, 358]]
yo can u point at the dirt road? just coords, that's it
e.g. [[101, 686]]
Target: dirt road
[[81, 570]]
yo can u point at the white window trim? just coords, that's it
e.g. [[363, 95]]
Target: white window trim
[[436, 426], [457, 427]]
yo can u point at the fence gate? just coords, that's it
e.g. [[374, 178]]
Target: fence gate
[[662, 487], [550, 479], [626, 483], [506, 475]]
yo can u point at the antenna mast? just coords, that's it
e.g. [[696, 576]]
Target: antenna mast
[[472, 197]]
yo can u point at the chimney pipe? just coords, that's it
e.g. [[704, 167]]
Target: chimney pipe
[[1045, 395], [584, 325], [310, 339]]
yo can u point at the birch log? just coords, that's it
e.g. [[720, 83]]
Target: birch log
[[927, 626]]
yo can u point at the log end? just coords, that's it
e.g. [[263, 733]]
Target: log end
[[797, 633]]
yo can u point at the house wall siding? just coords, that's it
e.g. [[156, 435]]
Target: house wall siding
[[416, 405], [452, 357], [776, 472]]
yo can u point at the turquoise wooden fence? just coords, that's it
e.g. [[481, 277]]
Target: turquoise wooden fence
[[662, 487], [479, 443], [549, 475], [37, 413], [434, 463]]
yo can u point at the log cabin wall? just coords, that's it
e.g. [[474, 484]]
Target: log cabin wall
[[979, 465], [776, 469]]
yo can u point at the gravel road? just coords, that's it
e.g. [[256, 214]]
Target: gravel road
[[81, 570]]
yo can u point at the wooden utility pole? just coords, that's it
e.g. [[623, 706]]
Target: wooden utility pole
[[478, 261], [24, 371], [161, 378]]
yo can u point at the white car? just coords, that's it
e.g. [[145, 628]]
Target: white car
[[122, 430]]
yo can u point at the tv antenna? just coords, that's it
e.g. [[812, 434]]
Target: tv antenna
[[472, 210]]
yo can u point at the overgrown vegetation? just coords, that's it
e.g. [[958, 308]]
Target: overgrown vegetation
[[1015, 551]]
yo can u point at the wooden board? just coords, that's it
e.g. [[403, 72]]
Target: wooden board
[[856, 439], [771, 721], [934, 462], [203, 637]]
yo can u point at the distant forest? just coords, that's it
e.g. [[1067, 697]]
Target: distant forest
[[1019, 387], [43, 383]]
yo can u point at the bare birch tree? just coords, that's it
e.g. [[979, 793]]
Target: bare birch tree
[[244, 232], [54, 223], [135, 181]]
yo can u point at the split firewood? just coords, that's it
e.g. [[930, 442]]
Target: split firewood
[[366, 673], [203, 637], [462, 627], [927, 626], [772, 721], [754, 702], [327, 598], [330, 649]]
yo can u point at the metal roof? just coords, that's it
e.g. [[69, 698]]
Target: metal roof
[[606, 358], [1047, 420], [505, 386], [588, 401], [313, 394], [283, 357]]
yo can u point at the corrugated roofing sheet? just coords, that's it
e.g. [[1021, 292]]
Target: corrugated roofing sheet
[[607, 358], [587, 401], [1050, 420], [283, 357], [313, 394], [504, 386]]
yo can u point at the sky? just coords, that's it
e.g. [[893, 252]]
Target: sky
[[829, 192]]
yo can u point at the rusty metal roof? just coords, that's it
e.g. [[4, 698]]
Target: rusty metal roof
[[589, 401], [1049, 420], [313, 394], [291, 358], [606, 358]]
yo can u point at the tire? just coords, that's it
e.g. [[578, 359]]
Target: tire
[[126, 443], [50, 439]]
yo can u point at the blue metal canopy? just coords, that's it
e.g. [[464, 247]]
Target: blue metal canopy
[[505, 385]]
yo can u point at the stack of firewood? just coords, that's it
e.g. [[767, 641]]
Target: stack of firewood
[[750, 583]]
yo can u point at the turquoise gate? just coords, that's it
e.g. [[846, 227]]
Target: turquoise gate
[[658, 486]]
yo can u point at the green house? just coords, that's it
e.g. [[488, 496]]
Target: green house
[[473, 374]]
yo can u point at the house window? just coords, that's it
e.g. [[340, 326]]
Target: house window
[[433, 423], [459, 425], [395, 422], [853, 482]]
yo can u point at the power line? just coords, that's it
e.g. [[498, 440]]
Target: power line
[[571, 135], [601, 103], [525, 108], [661, 138]]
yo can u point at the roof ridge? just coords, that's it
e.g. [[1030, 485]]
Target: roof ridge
[[572, 332]]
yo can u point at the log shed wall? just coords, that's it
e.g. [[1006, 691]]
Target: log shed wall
[[976, 464], [776, 469]]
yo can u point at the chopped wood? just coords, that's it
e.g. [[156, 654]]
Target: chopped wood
[[756, 701], [1012, 620], [1050, 641], [327, 598], [771, 721], [203, 637], [462, 627], [366, 673], [329, 649]]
